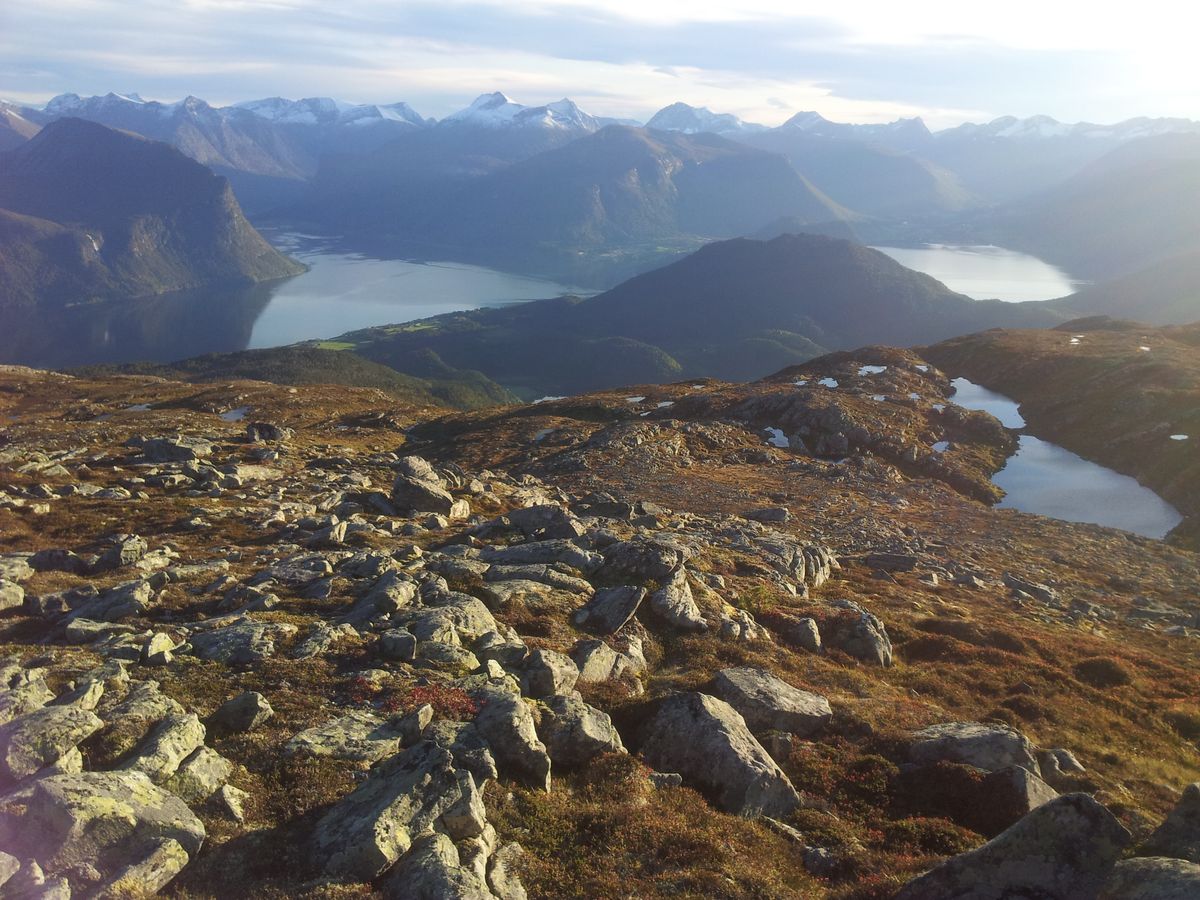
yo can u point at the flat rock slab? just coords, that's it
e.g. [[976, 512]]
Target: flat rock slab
[[1064, 849], [707, 742], [768, 703], [610, 609], [358, 736], [1153, 878]]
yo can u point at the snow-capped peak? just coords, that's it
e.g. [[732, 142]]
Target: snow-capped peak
[[65, 104], [808, 121], [696, 119], [496, 110], [487, 109]]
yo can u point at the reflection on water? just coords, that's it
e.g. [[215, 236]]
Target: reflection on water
[[986, 272], [342, 291], [1045, 479]]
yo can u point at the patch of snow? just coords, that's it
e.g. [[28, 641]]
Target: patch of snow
[[921, 368], [801, 383], [914, 396], [878, 398], [1074, 341], [778, 438], [548, 399], [1179, 437], [828, 382], [138, 407], [697, 387], [871, 370], [940, 407], [1144, 348], [235, 415], [634, 399], [941, 446], [541, 435], [665, 403]]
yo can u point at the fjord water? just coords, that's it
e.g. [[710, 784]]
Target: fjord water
[[1045, 479], [985, 272], [343, 290]]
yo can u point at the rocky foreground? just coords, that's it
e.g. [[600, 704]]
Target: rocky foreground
[[691, 640]]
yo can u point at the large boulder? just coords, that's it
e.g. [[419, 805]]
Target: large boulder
[[171, 742], [1008, 794], [1179, 834], [244, 712], [102, 827], [241, 643], [575, 733], [675, 605], [1153, 878], [548, 673], [987, 747], [419, 489], [643, 559], [1063, 850], [768, 703], [368, 830], [506, 722], [358, 736], [707, 742]]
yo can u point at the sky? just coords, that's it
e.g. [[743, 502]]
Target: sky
[[763, 60]]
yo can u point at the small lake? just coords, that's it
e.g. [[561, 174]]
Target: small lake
[[343, 290], [1048, 480], [985, 272]]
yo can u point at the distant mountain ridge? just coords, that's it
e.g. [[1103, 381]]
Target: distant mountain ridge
[[88, 212]]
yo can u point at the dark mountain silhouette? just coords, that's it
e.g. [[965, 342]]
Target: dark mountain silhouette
[[95, 213]]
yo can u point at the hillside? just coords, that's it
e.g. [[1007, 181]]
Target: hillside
[[1165, 293], [1114, 392], [305, 364], [94, 213], [349, 645], [734, 309], [1120, 215]]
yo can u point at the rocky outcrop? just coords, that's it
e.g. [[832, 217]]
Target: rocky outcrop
[[987, 747], [1179, 834], [768, 703], [1152, 878]]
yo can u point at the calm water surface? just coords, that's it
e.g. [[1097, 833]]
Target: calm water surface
[[1045, 479], [985, 272]]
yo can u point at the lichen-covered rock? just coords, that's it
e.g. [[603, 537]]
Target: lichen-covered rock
[[859, 633], [358, 736], [548, 673], [575, 733], [768, 703], [199, 776], [41, 737], [432, 870], [171, 742], [706, 741], [1063, 849], [241, 643], [1153, 878], [101, 826], [507, 724], [675, 605], [365, 832], [988, 747]]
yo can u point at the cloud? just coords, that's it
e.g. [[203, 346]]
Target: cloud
[[760, 59]]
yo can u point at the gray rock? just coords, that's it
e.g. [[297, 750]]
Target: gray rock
[[1032, 588], [540, 574], [233, 802], [424, 494], [599, 662], [1063, 849], [892, 562], [859, 633], [127, 550], [675, 605], [368, 830], [1179, 834], [40, 738], [772, 515], [177, 448], [575, 733], [707, 742], [398, 644], [199, 776], [171, 742], [545, 553], [242, 643], [433, 870], [501, 877], [244, 712], [805, 633], [12, 595], [104, 823], [1010, 793], [545, 522], [296, 571], [1153, 878], [987, 747], [158, 650], [768, 703], [643, 559], [506, 723], [610, 609], [548, 673], [321, 639], [27, 696]]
